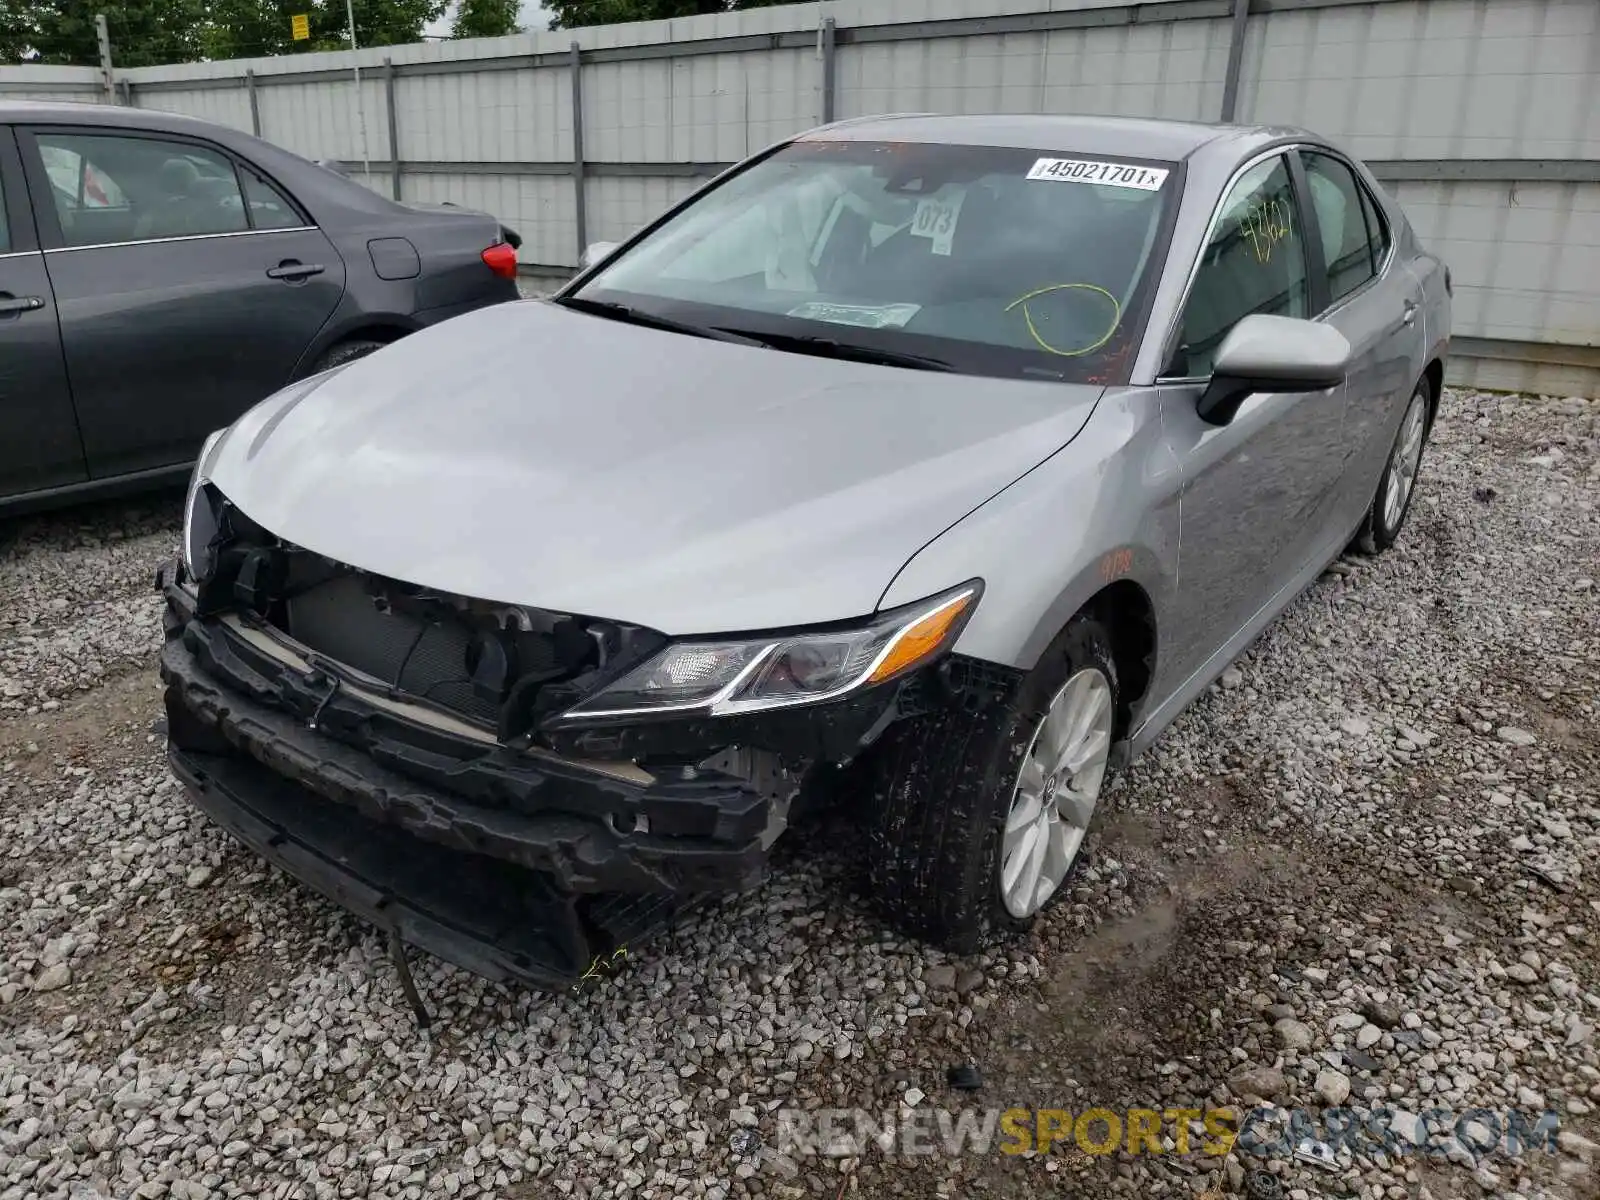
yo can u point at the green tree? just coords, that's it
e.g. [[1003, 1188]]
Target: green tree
[[253, 28], [378, 22], [144, 33], [569, 14], [485, 18], [152, 32], [16, 30]]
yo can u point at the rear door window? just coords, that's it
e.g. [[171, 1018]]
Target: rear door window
[[1377, 227], [269, 208], [109, 189], [1350, 251]]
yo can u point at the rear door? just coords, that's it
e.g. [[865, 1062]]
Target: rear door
[[1369, 298], [188, 284], [39, 445]]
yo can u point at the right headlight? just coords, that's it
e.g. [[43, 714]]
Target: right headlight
[[199, 516], [726, 677]]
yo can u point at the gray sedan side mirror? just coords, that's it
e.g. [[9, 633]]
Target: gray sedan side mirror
[[595, 252], [1264, 353]]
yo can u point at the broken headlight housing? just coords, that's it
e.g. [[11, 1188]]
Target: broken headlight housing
[[755, 674], [200, 516]]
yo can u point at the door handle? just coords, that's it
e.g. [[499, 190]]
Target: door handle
[[1410, 313], [11, 306], [291, 270]]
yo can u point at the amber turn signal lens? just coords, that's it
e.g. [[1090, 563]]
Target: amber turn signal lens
[[922, 639]]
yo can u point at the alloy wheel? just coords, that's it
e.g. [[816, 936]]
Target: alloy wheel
[[1403, 463], [1055, 794]]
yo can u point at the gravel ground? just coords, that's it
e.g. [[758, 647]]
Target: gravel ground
[[1364, 865]]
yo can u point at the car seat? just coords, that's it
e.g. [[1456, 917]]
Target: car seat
[[169, 213]]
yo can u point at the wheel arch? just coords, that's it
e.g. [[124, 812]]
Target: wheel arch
[[1126, 611], [1127, 608], [385, 328], [1434, 374]]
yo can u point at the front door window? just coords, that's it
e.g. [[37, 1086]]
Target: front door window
[[1254, 262]]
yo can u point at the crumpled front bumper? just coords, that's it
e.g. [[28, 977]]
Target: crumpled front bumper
[[514, 864]]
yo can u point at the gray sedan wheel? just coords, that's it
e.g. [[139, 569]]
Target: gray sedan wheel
[[979, 813], [1398, 485], [1057, 788]]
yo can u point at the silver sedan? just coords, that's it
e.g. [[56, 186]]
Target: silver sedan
[[957, 453]]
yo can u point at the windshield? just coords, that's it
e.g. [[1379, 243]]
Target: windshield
[[985, 260]]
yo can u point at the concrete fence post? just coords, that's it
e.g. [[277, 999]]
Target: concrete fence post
[[102, 37], [394, 128], [255, 103], [579, 190], [1230, 82], [829, 37]]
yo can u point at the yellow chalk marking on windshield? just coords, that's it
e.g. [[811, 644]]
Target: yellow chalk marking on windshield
[[1116, 316]]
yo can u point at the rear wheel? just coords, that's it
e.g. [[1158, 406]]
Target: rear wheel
[[1389, 507], [979, 816], [344, 352]]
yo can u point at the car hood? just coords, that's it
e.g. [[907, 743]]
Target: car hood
[[529, 454]]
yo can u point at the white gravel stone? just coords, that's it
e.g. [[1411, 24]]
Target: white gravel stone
[[53, 977], [1332, 1087]]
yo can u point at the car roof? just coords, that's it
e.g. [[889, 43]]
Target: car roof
[[69, 112], [1131, 137]]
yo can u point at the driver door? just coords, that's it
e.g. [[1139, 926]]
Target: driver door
[[1257, 491], [176, 314]]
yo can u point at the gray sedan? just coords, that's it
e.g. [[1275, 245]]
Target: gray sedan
[[159, 275], [959, 454]]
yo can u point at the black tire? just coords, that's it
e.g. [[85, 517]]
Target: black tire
[[1378, 532], [344, 352], [944, 785]]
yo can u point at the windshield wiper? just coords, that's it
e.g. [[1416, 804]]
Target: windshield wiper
[[637, 316], [828, 348]]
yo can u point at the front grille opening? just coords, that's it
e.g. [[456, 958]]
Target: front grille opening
[[437, 656], [503, 667]]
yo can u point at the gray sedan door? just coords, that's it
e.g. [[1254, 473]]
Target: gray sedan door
[[39, 446], [1374, 302], [188, 285], [1257, 491]]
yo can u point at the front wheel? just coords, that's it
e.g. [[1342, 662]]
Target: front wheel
[[978, 817], [1389, 507]]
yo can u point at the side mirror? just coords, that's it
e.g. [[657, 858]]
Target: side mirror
[[595, 252], [1264, 353]]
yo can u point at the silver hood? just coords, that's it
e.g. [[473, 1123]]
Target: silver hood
[[528, 454]]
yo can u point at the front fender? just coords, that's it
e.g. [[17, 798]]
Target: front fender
[[1102, 510]]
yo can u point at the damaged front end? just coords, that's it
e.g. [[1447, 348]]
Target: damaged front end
[[428, 762]]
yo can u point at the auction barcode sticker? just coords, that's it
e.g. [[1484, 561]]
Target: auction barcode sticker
[[1110, 174]]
